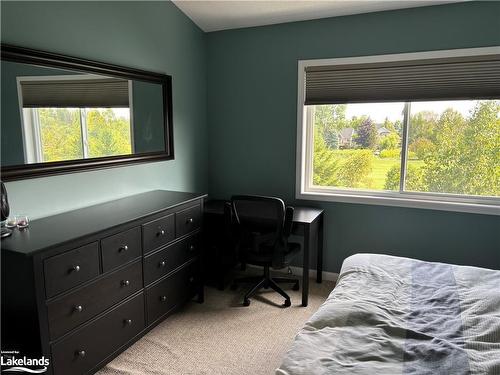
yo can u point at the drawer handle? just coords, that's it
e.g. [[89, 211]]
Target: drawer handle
[[192, 247], [163, 263], [81, 353], [125, 283], [128, 322], [190, 220], [79, 308], [163, 298], [123, 248], [161, 232], [75, 268]]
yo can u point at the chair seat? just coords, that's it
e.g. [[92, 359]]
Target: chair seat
[[266, 257]]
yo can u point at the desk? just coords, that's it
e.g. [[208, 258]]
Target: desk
[[308, 223]]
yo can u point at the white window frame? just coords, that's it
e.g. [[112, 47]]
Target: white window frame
[[304, 157], [30, 123]]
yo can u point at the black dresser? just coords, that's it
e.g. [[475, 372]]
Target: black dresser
[[82, 286]]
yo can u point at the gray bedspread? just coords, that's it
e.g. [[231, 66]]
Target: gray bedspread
[[390, 315]]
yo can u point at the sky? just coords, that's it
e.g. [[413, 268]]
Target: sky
[[122, 112], [394, 111], [119, 112]]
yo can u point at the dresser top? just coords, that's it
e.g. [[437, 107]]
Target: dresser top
[[58, 229]]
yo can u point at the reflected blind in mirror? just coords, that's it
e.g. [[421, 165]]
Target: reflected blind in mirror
[[75, 92]]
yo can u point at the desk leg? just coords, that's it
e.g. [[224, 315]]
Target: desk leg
[[319, 261], [305, 265]]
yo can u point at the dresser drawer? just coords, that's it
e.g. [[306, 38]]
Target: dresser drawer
[[158, 233], [73, 309], [120, 248], [85, 348], [172, 291], [187, 220], [166, 260], [64, 271]]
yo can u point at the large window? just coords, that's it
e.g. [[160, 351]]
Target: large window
[[356, 145], [413, 152]]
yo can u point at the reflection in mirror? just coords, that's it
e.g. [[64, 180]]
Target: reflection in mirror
[[71, 117], [53, 115]]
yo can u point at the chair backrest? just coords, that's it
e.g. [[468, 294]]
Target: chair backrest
[[253, 213], [258, 218]]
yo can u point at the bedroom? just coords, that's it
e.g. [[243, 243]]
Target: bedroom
[[235, 131]]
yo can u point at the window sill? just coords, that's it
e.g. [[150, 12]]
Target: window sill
[[486, 207]]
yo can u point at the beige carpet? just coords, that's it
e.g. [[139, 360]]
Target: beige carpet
[[221, 336]]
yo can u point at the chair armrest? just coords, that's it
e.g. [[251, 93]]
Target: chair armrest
[[287, 230], [228, 215]]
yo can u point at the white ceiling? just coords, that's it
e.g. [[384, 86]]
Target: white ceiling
[[213, 15]]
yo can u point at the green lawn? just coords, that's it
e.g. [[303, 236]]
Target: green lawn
[[380, 168], [382, 165]]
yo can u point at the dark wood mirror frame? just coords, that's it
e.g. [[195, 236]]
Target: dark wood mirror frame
[[53, 60]]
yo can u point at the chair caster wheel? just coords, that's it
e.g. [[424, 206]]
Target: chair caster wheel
[[287, 303], [234, 286], [246, 302], [296, 286]]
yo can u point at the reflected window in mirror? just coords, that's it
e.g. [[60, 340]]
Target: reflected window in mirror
[[75, 117]]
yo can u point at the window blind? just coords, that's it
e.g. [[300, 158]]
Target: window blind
[[83, 93], [476, 77]]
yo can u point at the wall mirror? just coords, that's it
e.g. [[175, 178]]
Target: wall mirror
[[61, 114]]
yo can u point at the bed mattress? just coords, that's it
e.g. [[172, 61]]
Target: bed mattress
[[391, 315]]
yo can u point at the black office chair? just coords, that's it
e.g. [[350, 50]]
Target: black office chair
[[261, 227]]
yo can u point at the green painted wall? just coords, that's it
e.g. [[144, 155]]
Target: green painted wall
[[252, 81], [150, 35]]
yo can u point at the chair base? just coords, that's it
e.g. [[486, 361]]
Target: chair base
[[266, 282]]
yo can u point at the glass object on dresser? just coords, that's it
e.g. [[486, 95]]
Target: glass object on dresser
[[22, 221]]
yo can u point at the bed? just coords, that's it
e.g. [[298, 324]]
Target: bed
[[391, 315]]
